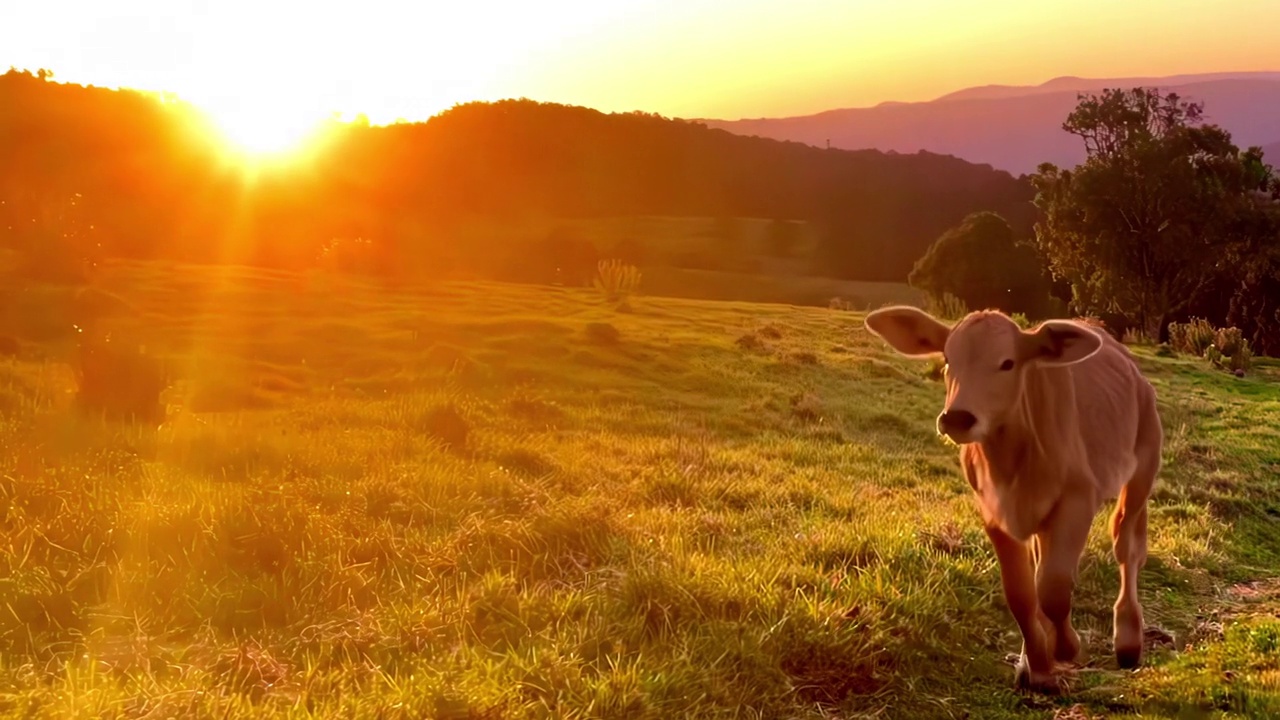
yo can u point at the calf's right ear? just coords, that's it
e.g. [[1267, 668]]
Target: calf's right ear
[[911, 331]]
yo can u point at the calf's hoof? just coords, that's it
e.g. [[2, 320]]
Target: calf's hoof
[[1129, 658], [1027, 681]]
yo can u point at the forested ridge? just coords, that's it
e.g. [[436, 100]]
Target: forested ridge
[[152, 182]]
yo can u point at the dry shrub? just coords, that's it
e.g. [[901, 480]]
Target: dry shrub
[[1191, 338], [616, 280], [1230, 350], [750, 341], [770, 332], [1225, 348], [117, 382]]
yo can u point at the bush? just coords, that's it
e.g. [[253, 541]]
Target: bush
[[617, 280], [1191, 338], [118, 383], [1231, 350], [1225, 348]]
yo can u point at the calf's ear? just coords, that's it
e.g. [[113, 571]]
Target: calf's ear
[[1057, 343], [911, 331]]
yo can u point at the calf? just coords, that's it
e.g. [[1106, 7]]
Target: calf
[[1051, 423]]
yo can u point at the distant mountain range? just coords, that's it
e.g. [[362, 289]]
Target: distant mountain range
[[1015, 128]]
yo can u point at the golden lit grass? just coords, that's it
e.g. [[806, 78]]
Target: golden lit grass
[[473, 500]]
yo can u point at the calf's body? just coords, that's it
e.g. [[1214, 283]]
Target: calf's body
[[1052, 423]]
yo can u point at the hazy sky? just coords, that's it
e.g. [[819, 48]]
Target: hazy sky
[[728, 58]]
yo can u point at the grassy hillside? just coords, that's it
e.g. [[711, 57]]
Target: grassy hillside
[[478, 500]]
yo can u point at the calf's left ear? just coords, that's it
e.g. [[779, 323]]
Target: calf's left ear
[[1059, 342]]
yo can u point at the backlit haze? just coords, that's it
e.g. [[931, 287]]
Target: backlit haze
[[267, 72]]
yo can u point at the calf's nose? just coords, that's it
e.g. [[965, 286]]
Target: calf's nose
[[956, 421]]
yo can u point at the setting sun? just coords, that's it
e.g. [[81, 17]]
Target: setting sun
[[261, 130], [266, 134]]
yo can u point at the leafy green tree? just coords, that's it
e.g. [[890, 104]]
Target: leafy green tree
[[1156, 212], [980, 262]]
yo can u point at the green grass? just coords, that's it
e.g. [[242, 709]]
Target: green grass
[[471, 500]]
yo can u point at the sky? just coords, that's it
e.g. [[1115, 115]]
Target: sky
[[283, 63]]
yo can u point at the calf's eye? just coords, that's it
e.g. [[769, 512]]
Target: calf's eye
[[1006, 365]]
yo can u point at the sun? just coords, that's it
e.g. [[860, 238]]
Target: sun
[[261, 132]]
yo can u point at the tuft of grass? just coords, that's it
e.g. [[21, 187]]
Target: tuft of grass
[[599, 333], [806, 407], [750, 341], [446, 424]]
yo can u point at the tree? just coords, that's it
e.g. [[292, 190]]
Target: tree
[[1155, 212], [980, 262]]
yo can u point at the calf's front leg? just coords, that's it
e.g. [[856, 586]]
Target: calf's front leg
[[1018, 576], [1062, 543]]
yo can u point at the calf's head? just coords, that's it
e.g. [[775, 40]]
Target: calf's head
[[987, 356]]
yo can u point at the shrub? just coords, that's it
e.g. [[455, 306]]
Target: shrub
[[1021, 320], [839, 303], [1191, 338], [1226, 348], [617, 280], [1231, 350], [118, 383]]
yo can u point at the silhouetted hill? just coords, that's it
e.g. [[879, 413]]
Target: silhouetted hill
[[150, 187], [1015, 128]]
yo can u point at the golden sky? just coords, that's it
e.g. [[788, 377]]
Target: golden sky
[[287, 63]]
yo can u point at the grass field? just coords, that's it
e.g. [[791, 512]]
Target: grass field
[[485, 501], [789, 290]]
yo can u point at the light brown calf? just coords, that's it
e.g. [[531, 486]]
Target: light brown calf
[[1051, 424]]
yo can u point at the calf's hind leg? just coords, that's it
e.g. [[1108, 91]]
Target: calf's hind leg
[[1129, 541]]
